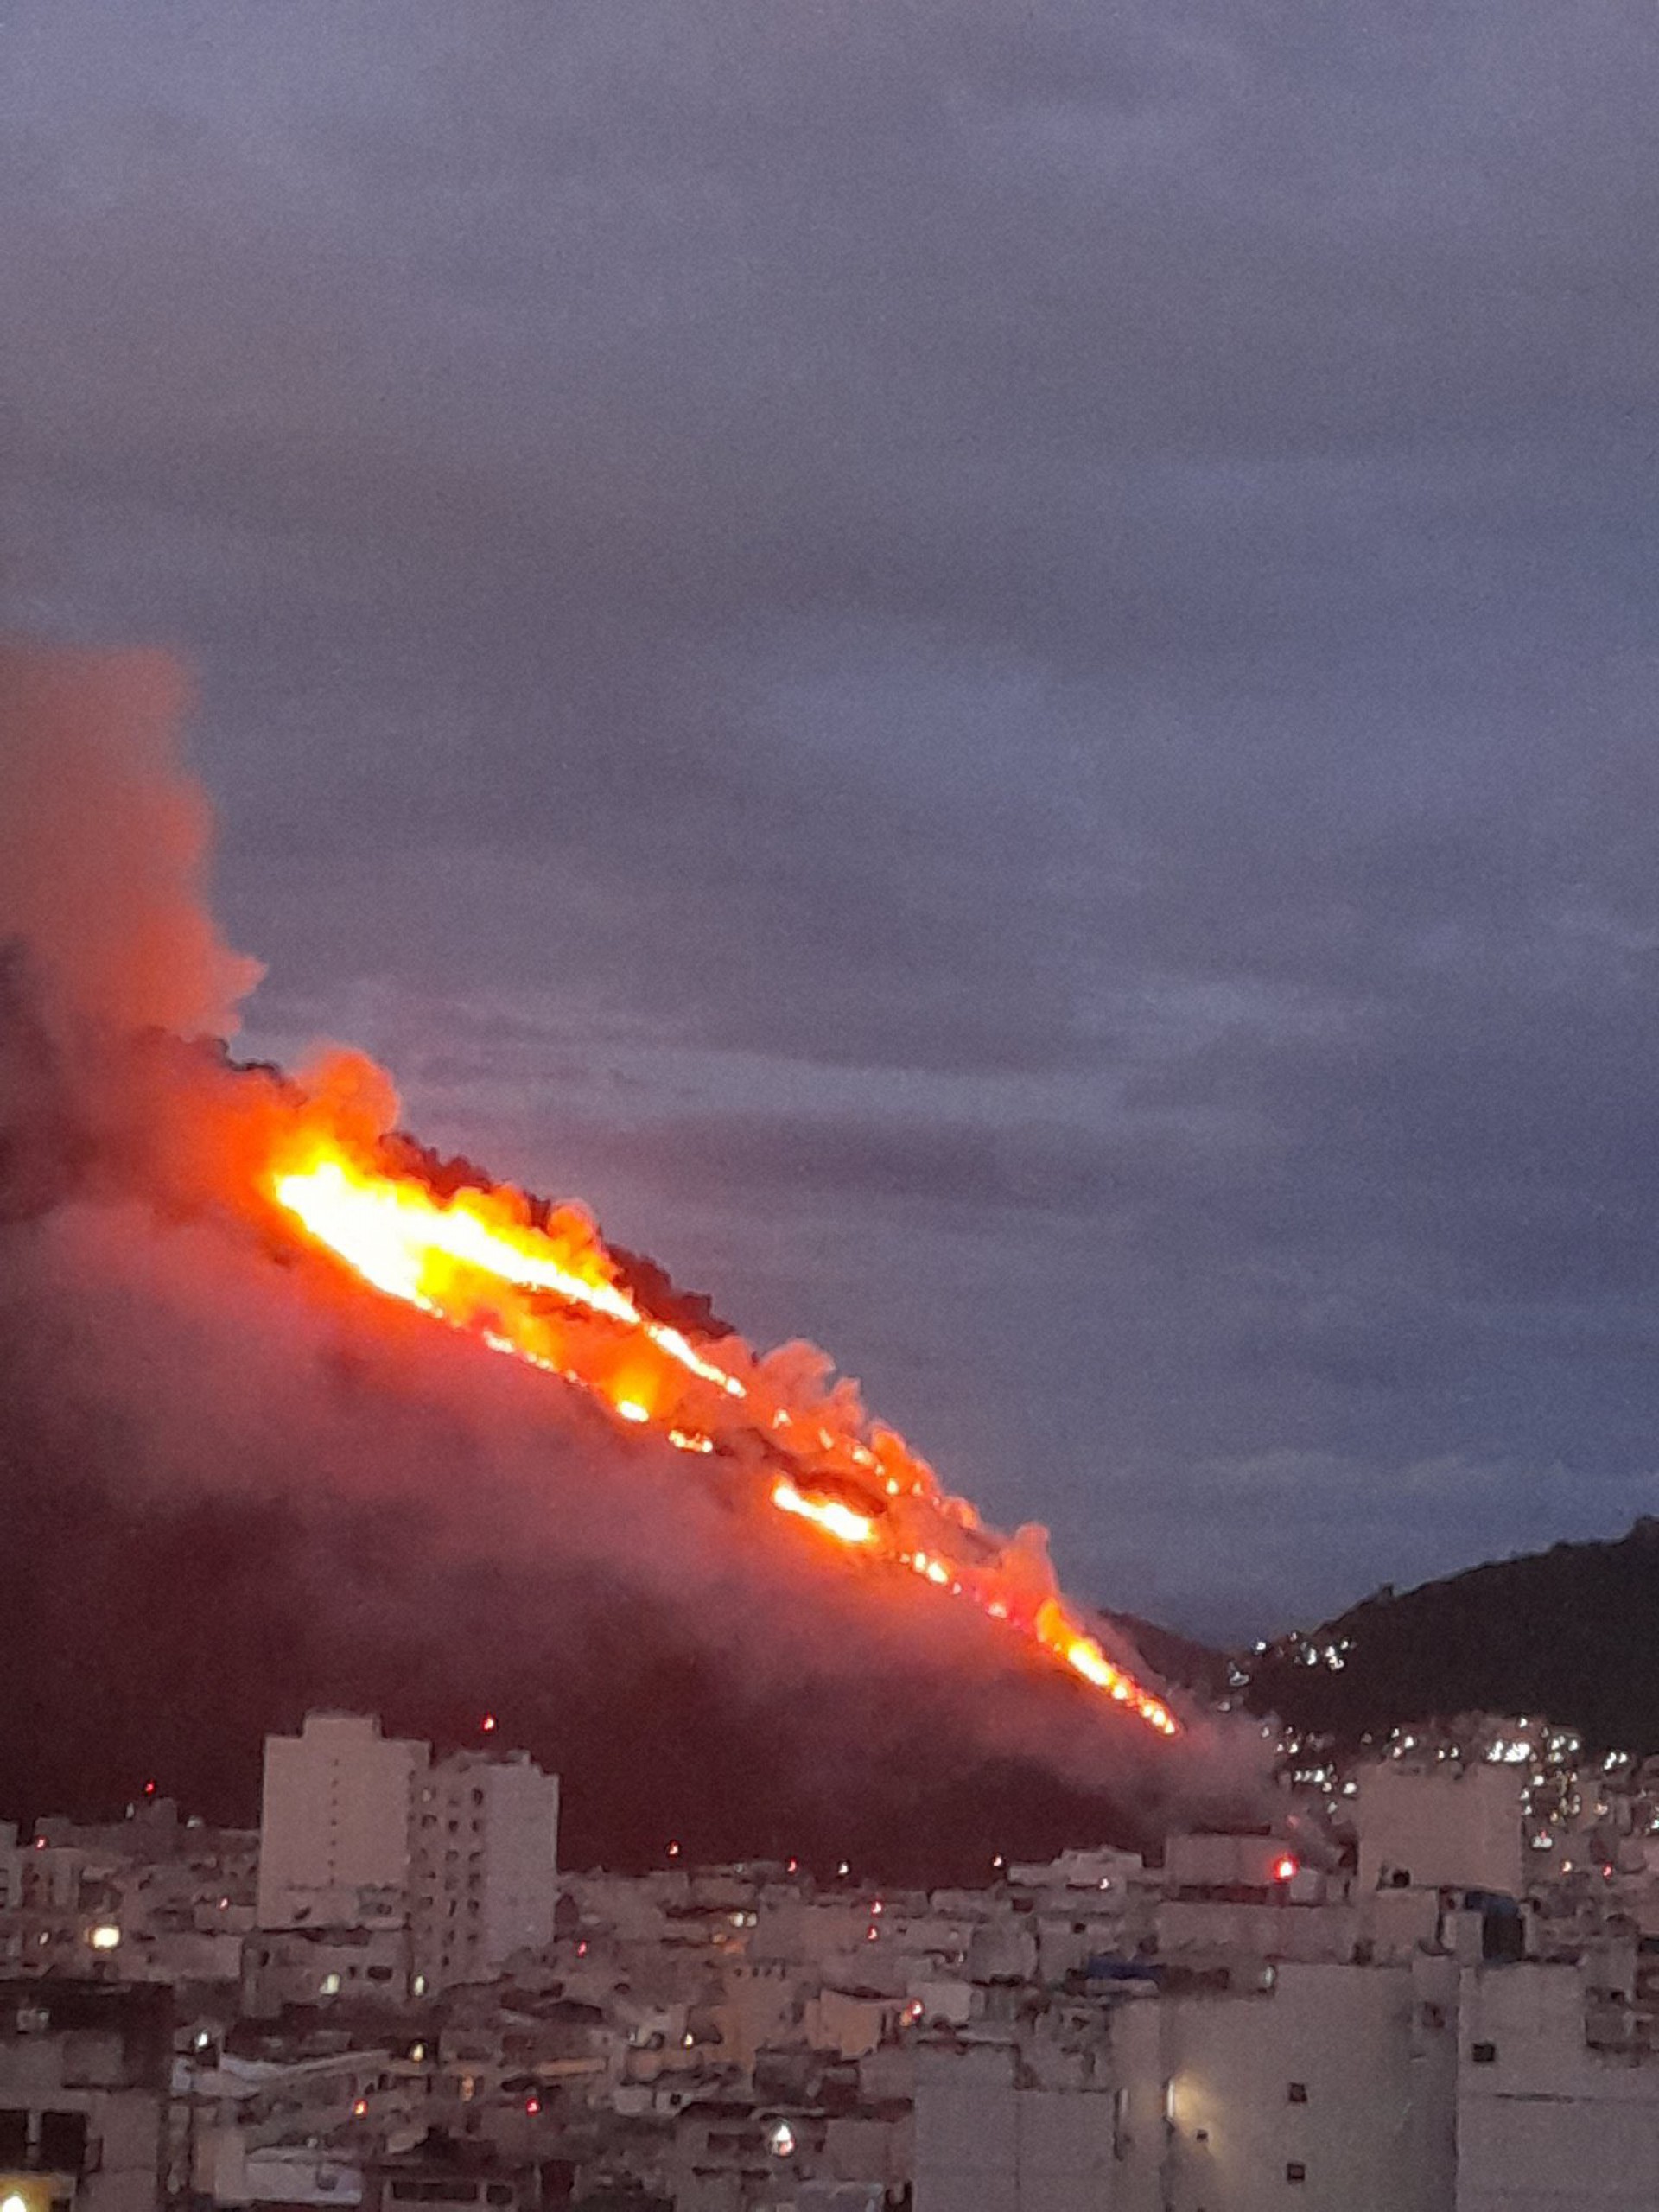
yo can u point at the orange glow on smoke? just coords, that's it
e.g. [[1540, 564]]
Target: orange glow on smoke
[[547, 1291]]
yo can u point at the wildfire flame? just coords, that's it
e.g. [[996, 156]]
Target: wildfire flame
[[549, 1293]]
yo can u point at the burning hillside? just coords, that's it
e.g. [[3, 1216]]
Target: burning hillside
[[536, 1284], [490, 1462]]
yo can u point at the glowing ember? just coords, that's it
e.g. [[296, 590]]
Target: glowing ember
[[546, 1290], [842, 1522]]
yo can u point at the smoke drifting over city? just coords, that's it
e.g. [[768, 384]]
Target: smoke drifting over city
[[239, 1482]]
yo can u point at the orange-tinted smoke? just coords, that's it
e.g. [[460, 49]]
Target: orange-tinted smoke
[[104, 843]]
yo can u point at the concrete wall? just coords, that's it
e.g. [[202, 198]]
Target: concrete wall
[[1328, 2073], [1262, 1931], [1547, 2124], [984, 2143], [1447, 1826]]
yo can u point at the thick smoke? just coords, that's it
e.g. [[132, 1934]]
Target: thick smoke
[[103, 844], [235, 1483]]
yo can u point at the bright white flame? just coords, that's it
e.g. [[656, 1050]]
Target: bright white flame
[[840, 1521]]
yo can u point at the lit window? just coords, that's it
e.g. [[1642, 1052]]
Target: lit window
[[331, 1985]]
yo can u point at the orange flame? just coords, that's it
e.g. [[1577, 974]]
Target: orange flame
[[549, 1293]]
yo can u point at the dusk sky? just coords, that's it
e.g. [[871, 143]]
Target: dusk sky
[[989, 671]]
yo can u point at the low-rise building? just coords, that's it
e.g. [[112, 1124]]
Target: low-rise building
[[85, 2084]]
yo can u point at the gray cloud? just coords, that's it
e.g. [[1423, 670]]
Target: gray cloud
[[994, 671]]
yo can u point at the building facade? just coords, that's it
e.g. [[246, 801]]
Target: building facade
[[383, 1872], [484, 1866], [86, 2071]]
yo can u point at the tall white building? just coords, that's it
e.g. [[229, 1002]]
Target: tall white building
[[334, 1825], [485, 1865], [457, 1860]]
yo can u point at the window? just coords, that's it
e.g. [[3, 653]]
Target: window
[[1483, 2054], [63, 2142], [1296, 2093], [1295, 2171], [14, 2138]]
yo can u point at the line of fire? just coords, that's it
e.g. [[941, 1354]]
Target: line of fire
[[536, 1284]]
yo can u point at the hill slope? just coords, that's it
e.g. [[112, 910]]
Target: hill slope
[[1572, 1633]]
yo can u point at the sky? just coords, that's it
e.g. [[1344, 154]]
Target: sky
[[988, 669]]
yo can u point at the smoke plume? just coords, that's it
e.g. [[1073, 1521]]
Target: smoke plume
[[103, 844], [235, 1482]]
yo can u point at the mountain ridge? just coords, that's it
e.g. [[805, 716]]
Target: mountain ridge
[[1570, 1633]]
